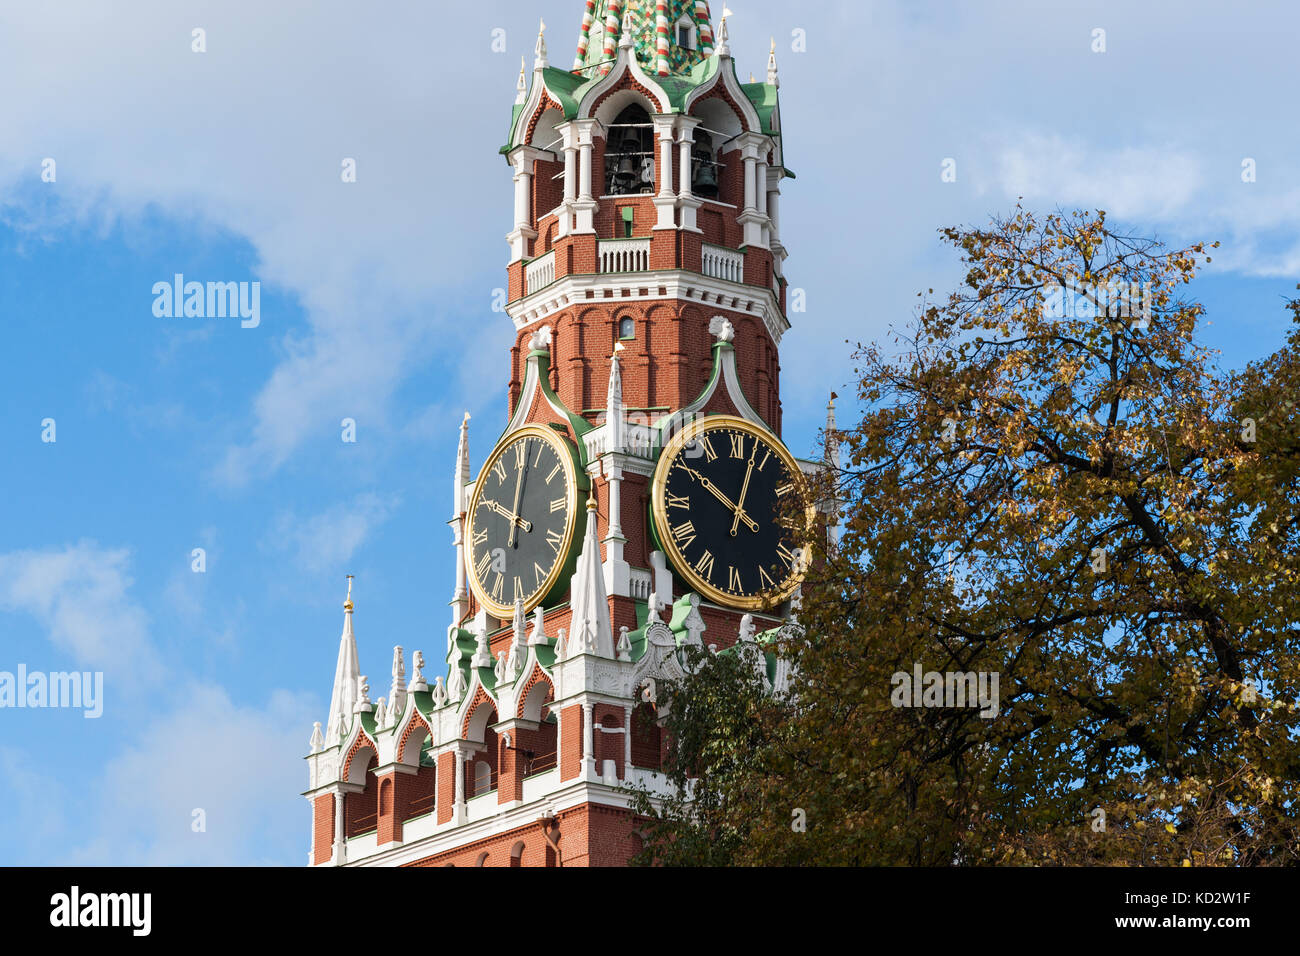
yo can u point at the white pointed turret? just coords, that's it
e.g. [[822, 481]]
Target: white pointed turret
[[462, 468], [539, 51], [625, 36], [832, 438], [723, 48], [615, 419], [347, 672], [521, 85], [590, 630], [397, 690], [772, 78]]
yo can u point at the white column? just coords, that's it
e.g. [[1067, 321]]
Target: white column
[[585, 151], [570, 173], [684, 161], [666, 201], [627, 741], [686, 200], [588, 751], [760, 182], [340, 843], [666, 162], [774, 213], [460, 600], [458, 813], [750, 163]]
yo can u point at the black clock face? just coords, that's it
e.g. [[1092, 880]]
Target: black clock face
[[520, 524], [720, 500]]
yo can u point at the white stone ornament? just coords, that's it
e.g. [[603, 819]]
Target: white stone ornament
[[694, 623], [624, 644], [418, 683], [540, 340], [317, 739], [721, 329], [747, 628], [561, 640], [652, 615], [381, 714], [538, 634], [501, 667], [363, 696], [482, 652], [439, 692], [455, 684]]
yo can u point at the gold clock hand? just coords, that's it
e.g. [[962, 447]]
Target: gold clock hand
[[514, 517], [740, 503], [713, 489]]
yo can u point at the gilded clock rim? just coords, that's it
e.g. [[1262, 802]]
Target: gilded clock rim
[[659, 511], [566, 455]]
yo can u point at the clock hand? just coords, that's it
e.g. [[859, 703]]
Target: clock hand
[[740, 502], [519, 486], [713, 489], [514, 518]]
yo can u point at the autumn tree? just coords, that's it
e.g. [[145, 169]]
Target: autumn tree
[[1055, 484]]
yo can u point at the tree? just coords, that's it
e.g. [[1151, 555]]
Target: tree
[[1053, 483]]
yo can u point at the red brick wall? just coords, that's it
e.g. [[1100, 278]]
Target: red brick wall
[[446, 785], [570, 741], [589, 835], [322, 809]]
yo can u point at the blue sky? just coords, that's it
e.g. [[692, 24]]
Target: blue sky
[[175, 434]]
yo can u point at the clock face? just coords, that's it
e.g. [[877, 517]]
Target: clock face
[[719, 501], [521, 520]]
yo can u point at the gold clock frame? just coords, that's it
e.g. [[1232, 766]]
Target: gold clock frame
[[766, 600], [567, 455]]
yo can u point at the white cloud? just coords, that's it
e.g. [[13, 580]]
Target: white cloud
[[79, 595], [325, 541], [240, 764]]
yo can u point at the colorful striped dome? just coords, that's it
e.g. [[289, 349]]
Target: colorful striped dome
[[668, 36]]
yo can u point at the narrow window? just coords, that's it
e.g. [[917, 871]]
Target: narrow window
[[626, 329]]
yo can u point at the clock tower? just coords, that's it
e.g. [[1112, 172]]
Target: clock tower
[[630, 503]]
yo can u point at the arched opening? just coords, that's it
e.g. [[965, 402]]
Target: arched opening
[[386, 797], [538, 748], [422, 788], [647, 737], [517, 854], [713, 138], [482, 859], [626, 328], [361, 810], [630, 154], [481, 770]]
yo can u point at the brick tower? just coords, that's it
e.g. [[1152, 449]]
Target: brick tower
[[630, 505]]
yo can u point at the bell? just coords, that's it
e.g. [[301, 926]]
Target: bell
[[627, 167], [704, 180]]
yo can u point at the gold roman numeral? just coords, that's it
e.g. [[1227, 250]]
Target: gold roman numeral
[[762, 576], [785, 554], [496, 588], [519, 588], [737, 446], [557, 505], [539, 574], [765, 458], [477, 538], [684, 533], [521, 454], [678, 501], [733, 580], [554, 471], [483, 564], [783, 490], [709, 453], [705, 565], [499, 469], [554, 539]]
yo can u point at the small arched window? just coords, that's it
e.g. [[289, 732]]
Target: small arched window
[[626, 328], [686, 33], [482, 777], [517, 854]]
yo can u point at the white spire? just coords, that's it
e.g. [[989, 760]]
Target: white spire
[[625, 34], [590, 631], [521, 87], [832, 439], [346, 675], [462, 468], [614, 419], [772, 78], [539, 51]]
